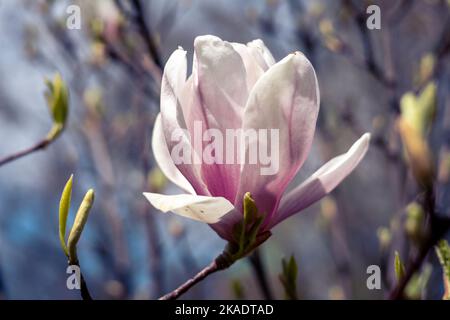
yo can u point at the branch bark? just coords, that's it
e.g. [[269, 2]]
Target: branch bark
[[220, 263], [84, 291], [146, 33], [38, 146]]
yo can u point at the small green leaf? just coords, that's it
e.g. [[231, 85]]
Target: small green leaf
[[78, 225], [288, 278], [399, 267], [292, 268], [238, 289], [57, 96], [419, 110], [418, 283], [384, 237], [64, 205], [414, 222], [425, 69], [443, 253]]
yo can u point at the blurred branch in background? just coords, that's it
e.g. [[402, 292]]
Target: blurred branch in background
[[257, 264]]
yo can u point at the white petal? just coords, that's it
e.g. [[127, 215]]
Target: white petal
[[323, 181], [261, 54], [220, 76], [172, 118], [200, 208], [220, 86], [164, 160], [253, 69], [284, 101]]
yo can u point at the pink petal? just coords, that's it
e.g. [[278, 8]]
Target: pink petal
[[216, 95], [220, 79], [253, 69], [173, 82], [164, 160], [322, 182], [262, 55], [286, 98]]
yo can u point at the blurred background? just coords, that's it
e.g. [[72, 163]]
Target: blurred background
[[112, 67]]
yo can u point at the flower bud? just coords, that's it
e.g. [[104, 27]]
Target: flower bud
[[426, 68], [384, 237], [418, 282], [78, 225], [418, 153], [418, 111], [64, 206], [57, 96], [414, 223]]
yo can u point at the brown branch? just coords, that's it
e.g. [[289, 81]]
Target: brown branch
[[84, 291], [438, 227], [38, 146], [146, 33], [220, 263], [369, 58]]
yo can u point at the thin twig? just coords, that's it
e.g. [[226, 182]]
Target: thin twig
[[438, 227], [84, 291], [146, 33], [38, 146], [220, 263], [369, 58], [85, 295]]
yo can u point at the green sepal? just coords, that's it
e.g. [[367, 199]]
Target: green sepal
[[247, 233]]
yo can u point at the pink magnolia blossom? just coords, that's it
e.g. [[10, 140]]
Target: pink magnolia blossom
[[236, 86]]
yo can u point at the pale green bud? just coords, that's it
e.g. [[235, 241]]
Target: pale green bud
[[64, 206], [78, 225]]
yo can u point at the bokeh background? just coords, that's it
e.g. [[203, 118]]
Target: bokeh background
[[113, 66]]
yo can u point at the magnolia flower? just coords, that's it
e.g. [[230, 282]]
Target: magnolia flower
[[238, 86]]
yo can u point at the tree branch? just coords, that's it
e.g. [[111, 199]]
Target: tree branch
[[220, 263], [38, 146], [84, 291], [146, 33], [438, 227]]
